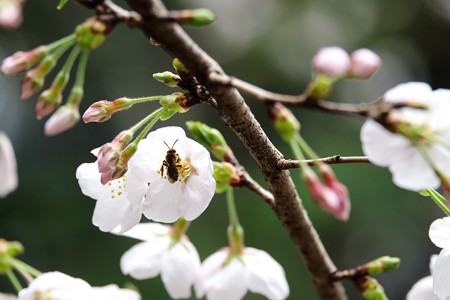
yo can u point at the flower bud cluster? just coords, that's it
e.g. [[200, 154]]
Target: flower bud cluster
[[335, 62], [89, 35]]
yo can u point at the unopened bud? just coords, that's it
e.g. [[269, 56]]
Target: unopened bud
[[47, 103], [91, 33], [371, 289], [179, 66], [331, 61], [168, 78], [342, 212], [102, 111], [194, 17], [364, 63], [381, 265], [10, 14], [284, 121], [225, 174], [34, 78], [22, 61], [176, 103], [321, 194], [8, 248], [211, 138], [109, 154], [64, 118]]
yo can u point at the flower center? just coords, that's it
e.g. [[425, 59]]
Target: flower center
[[117, 187]]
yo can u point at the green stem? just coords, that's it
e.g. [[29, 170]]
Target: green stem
[[179, 229], [24, 267], [14, 281], [76, 93], [152, 118], [235, 231], [68, 39], [144, 99], [49, 62], [304, 145], [61, 79], [439, 200], [232, 212]]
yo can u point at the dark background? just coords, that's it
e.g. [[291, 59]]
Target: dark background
[[269, 43]]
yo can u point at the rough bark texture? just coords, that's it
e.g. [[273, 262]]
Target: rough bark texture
[[237, 115]]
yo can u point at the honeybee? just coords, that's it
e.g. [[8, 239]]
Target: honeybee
[[172, 163]]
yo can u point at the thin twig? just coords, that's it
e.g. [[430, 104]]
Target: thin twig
[[285, 164]]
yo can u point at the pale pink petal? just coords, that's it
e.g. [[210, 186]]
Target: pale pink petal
[[419, 92], [266, 275], [180, 266], [441, 275], [382, 146], [143, 260], [440, 233], [422, 290]]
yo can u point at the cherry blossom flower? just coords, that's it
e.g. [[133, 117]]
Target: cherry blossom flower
[[224, 276], [8, 169], [180, 173], [417, 149], [176, 259], [440, 235], [56, 286], [423, 289], [114, 209], [59, 286]]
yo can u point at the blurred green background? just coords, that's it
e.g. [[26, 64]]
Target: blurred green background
[[269, 43]]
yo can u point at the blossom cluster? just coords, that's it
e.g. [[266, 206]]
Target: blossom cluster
[[170, 178]]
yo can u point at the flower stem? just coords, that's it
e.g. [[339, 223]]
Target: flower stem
[[76, 93], [153, 117], [439, 200], [179, 229], [235, 231], [65, 40], [13, 279]]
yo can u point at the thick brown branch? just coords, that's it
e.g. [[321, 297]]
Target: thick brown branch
[[237, 115], [285, 164]]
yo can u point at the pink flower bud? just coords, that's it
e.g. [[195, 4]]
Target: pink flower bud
[[31, 83], [342, 212], [21, 61], [10, 14], [331, 61], [109, 154], [102, 111], [365, 63], [63, 119], [47, 103], [323, 195]]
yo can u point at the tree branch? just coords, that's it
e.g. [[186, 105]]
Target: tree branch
[[237, 115], [285, 164]]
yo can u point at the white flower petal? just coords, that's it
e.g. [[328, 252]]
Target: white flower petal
[[143, 260], [8, 168], [230, 282], [180, 266], [413, 172], [165, 201], [112, 213], [382, 146], [440, 232], [422, 290], [441, 158], [267, 277], [210, 266], [200, 191], [89, 181], [149, 232], [113, 292], [409, 92], [441, 275], [56, 285]]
